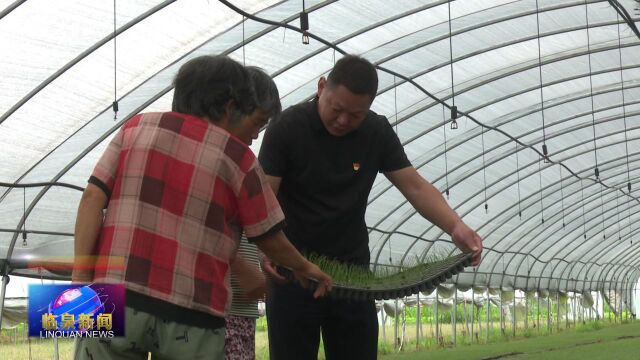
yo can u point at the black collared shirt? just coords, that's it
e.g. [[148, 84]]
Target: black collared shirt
[[326, 179]]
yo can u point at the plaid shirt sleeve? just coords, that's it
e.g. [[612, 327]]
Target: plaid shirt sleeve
[[259, 210], [104, 173]]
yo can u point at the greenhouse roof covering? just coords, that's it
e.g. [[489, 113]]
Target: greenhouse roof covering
[[523, 75]]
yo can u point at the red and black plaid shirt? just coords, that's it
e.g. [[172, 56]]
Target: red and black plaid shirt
[[181, 192]]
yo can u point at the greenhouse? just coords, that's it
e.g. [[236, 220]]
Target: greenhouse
[[524, 114]]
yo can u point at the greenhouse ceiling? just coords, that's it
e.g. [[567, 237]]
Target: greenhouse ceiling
[[544, 162]]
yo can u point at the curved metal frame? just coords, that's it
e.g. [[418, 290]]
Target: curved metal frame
[[83, 55], [163, 91], [595, 199], [468, 138], [461, 141], [472, 171], [510, 17], [116, 127], [11, 7], [556, 215]]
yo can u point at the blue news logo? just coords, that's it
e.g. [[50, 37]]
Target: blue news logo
[[74, 310]]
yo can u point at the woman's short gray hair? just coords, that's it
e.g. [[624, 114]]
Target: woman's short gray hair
[[267, 95]]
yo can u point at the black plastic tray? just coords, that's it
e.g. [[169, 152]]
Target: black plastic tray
[[425, 279]]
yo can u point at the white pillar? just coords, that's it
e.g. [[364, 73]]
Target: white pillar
[[5, 281], [418, 321], [473, 306], [513, 316], [454, 313], [437, 319], [488, 312], [395, 318]]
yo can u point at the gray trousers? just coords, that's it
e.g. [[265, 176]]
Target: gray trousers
[[146, 333]]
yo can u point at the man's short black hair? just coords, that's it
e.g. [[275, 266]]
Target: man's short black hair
[[356, 74], [266, 90], [204, 85]]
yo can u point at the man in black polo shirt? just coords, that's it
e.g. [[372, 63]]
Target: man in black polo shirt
[[321, 158]]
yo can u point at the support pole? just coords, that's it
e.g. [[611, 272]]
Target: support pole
[[575, 304], [395, 318], [538, 310], [488, 312], [473, 308], [558, 308], [466, 317], [615, 302], [548, 313], [588, 314], [5, 281], [602, 303], [566, 314], [635, 291], [621, 303], [513, 316], [426, 315], [454, 321], [593, 315], [384, 322], [418, 322], [609, 303], [626, 299], [526, 310], [597, 304], [492, 321], [501, 314], [404, 325], [431, 315], [437, 319]]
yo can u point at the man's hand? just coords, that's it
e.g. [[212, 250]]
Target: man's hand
[[467, 240], [277, 247], [430, 203], [313, 272]]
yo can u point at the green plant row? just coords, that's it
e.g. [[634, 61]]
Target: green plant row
[[359, 283]]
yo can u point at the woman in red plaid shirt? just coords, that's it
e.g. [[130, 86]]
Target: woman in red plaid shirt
[[179, 188]]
